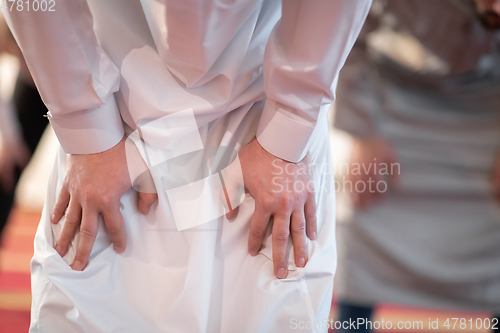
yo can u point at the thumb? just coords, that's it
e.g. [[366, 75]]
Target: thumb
[[146, 200]]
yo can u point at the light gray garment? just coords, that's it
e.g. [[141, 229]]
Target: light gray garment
[[435, 242]]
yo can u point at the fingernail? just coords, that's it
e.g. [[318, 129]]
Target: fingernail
[[58, 249], [77, 266], [281, 273], [314, 236], [301, 262], [53, 218]]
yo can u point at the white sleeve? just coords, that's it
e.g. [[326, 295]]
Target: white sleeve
[[75, 77], [303, 57]]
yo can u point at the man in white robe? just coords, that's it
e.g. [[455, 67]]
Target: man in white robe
[[238, 70]]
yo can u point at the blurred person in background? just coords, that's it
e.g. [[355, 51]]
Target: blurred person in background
[[421, 90], [22, 124]]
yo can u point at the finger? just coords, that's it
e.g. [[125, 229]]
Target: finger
[[299, 238], [310, 215], [113, 220], [72, 221], [281, 232], [146, 200], [61, 204], [258, 229], [88, 232]]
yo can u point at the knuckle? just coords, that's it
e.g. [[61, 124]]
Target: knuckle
[[86, 232], [89, 197], [300, 249], [70, 221], [106, 201], [286, 202], [268, 204], [299, 228], [81, 254], [281, 237], [280, 261], [114, 229], [311, 221], [258, 232]]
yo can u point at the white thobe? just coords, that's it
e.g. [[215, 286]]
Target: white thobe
[[108, 63]]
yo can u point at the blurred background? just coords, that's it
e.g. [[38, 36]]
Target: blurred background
[[415, 138], [16, 242]]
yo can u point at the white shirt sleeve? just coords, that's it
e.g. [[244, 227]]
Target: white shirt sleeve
[[303, 57], [75, 77]]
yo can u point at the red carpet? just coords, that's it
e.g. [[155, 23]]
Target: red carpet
[[14, 321], [16, 250]]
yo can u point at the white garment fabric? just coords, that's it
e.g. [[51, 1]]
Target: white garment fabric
[[206, 55], [245, 68], [198, 280]]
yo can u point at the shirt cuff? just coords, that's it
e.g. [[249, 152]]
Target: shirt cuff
[[89, 131], [282, 136]]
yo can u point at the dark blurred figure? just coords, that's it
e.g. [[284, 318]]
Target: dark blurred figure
[[421, 92], [22, 124], [489, 13]]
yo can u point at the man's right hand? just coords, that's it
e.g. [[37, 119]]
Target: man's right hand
[[94, 185], [284, 191]]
